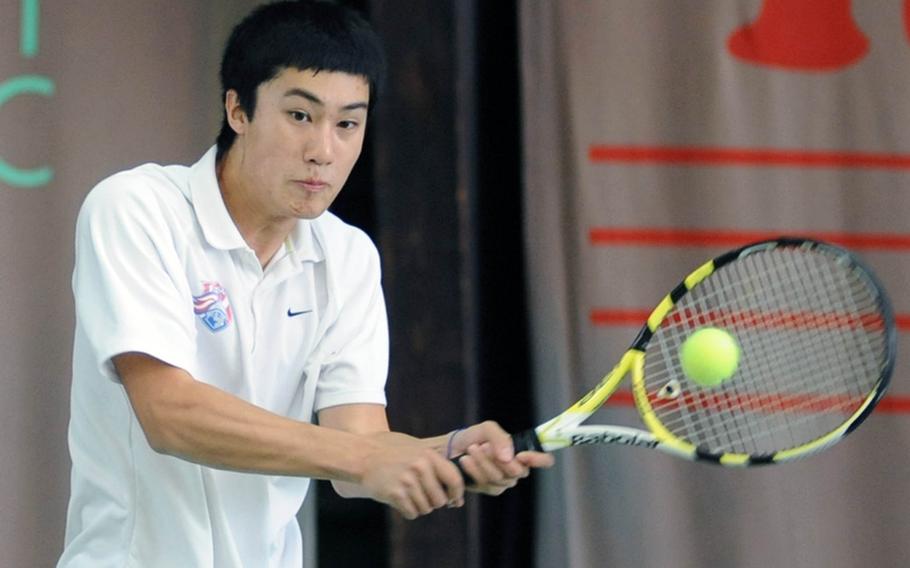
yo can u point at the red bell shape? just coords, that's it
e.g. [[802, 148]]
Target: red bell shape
[[810, 35], [907, 18]]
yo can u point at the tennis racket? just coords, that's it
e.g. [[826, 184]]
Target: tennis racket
[[817, 340]]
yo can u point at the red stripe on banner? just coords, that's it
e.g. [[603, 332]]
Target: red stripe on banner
[[890, 404], [769, 157], [780, 319], [637, 317], [653, 236], [767, 402], [894, 405]]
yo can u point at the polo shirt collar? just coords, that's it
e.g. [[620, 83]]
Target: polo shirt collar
[[303, 244], [218, 226]]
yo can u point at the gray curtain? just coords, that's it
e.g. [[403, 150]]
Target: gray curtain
[[655, 137]]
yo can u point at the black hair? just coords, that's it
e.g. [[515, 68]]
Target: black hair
[[297, 34]]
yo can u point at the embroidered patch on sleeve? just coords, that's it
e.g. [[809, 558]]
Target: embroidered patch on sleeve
[[212, 306]]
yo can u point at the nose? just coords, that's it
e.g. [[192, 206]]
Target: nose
[[320, 148]]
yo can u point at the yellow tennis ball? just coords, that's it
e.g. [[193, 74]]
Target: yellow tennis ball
[[709, 356]]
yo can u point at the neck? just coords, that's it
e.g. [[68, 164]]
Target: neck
[[264, 233]]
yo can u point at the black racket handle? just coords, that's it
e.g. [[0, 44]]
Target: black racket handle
[[522, 442], [526, 441]]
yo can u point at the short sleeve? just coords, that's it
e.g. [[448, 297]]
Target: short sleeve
[[356, 364], [127, 279]]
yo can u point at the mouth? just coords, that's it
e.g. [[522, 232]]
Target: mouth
[[311, 184]]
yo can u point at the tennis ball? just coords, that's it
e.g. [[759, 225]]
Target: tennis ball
[[709, 356]]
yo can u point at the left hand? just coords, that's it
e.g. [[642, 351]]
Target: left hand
[[488, 457]]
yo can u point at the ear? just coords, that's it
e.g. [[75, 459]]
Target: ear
[[236, 116]]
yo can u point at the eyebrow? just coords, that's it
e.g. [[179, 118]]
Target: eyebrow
[[298, 92]]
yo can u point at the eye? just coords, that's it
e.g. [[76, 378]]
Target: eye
[[348, 124], [298, 115]]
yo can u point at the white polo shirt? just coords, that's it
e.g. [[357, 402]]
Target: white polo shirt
[[162, 269]]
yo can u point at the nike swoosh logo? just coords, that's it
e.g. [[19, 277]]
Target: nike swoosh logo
[[294, 314]]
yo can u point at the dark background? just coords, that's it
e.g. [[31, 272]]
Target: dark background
[[439, 189]]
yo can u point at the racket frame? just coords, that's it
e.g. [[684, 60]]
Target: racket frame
[[565, 429]]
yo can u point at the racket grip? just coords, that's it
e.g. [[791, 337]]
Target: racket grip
[[526, 441]]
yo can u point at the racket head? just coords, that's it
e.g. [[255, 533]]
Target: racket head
[[818, 344]]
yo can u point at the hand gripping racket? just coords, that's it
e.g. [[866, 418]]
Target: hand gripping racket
[[817, 340]]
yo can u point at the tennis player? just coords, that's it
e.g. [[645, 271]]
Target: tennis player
[[220, 306]]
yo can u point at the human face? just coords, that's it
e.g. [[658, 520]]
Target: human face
[[294, 156]]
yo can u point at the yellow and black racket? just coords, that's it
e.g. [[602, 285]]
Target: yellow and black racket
[[817, 342]]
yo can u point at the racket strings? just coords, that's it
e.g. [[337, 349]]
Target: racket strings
[[812, 341], [771, 403]]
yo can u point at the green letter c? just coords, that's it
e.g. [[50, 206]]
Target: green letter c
[[25, 84]]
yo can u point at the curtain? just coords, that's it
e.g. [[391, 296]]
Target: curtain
[[657, 134], [87, 88]]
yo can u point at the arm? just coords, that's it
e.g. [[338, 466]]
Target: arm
[[364, 419], [185, 418]]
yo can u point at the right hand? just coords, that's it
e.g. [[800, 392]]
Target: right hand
[[413, 479]]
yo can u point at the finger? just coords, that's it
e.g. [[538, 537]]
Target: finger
[[472, 473], [412, 481], [503, 470], [486, 470], [536, 459], [500, 440], [419, 499], [434, 488], [403, 504], [451, 478], [486, 432], [488, 473], [484, 485]]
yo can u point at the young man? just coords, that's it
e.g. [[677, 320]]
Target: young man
[[219, 306]]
